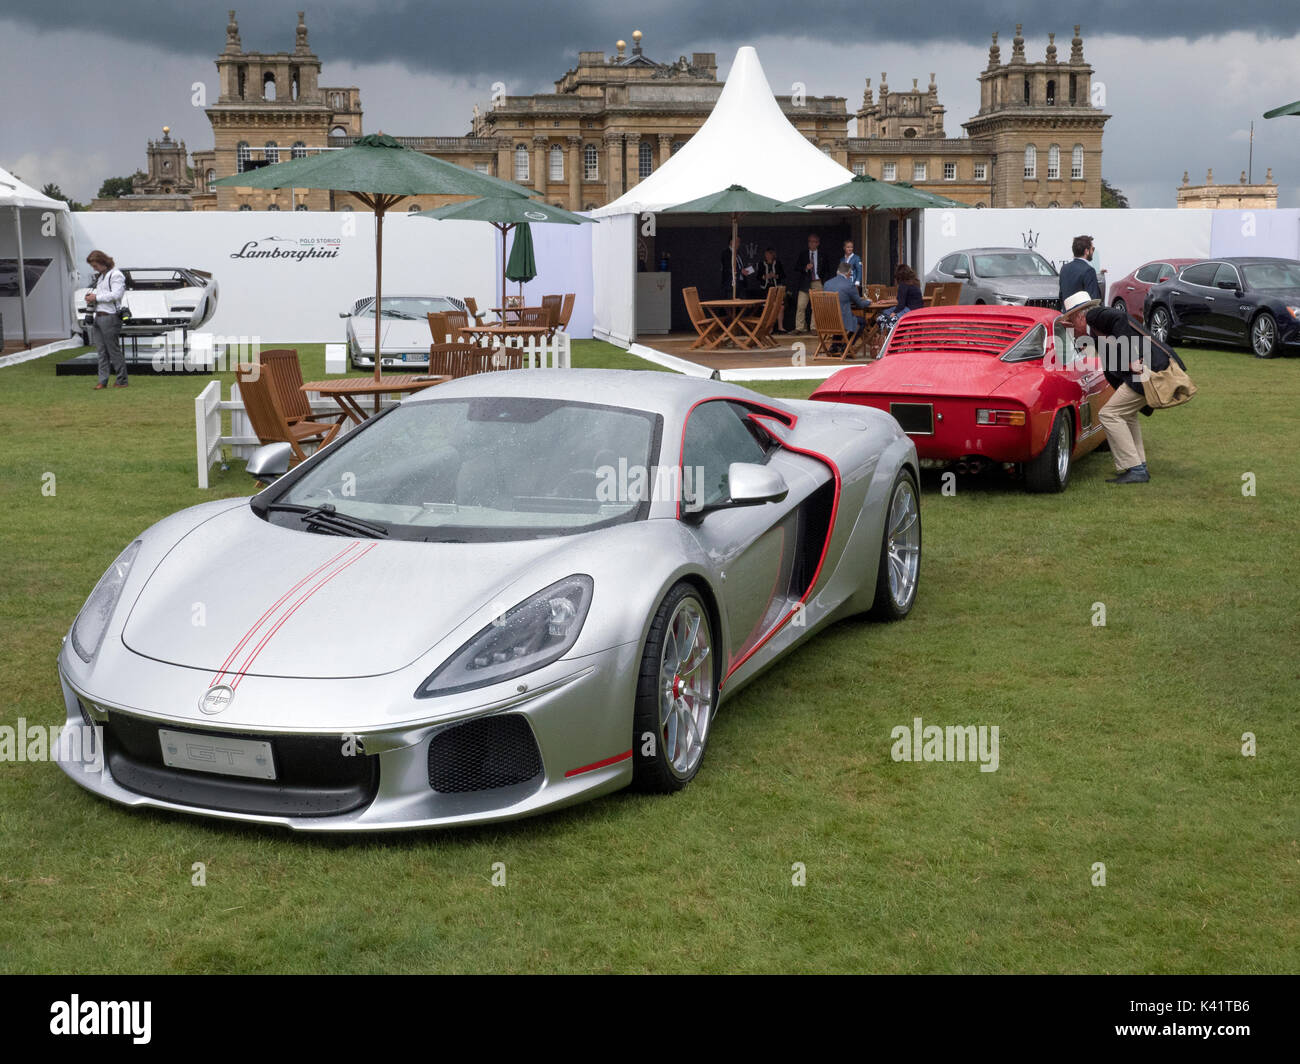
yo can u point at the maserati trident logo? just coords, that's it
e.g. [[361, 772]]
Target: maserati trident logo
[[1030, 239], [215, 699]]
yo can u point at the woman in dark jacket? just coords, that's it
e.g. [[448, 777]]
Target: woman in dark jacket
[[910, 296]]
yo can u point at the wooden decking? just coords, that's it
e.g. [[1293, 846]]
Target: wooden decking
[[769, 360]]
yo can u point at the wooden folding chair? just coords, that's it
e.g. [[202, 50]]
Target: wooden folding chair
[[759, 327], [566, 312], [709, 329], [268, 421], [471, 305], [282, 368], [536, 316], [829, 326], [553, 304], [453, 323]]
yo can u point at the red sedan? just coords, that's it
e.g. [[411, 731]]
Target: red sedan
[[980, 385], [1129, 293]]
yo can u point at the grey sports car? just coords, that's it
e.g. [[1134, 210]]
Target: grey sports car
[[512, 592], [1007, 276]]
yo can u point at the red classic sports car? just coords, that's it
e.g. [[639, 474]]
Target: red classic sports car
[[974, 386]]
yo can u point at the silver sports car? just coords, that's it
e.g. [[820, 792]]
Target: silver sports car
[[510, 593], [160, 299], [404, 335]]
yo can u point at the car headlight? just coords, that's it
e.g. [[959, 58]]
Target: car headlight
[[92, 622], [1293, 311], [535, 633], [1009, 299]]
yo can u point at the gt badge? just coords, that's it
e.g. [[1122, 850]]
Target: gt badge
[[215, 699]]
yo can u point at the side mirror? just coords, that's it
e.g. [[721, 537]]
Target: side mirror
[[270, 461], [753, 485], [963, 274], [345, 313], [1226, 284]]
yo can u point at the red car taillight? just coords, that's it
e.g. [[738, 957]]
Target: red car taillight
[[999, 417]]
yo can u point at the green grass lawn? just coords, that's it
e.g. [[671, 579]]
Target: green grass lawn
[[1119, 744]]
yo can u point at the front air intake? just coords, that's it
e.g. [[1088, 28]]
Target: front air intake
[[484, 754]]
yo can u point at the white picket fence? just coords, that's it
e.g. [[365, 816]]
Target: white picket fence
[[538, 353], [212, 413]]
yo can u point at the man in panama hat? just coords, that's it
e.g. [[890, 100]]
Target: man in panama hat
[[1128, 352]]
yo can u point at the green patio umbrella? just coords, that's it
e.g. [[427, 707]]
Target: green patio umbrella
[[379, 172], [865, 194], [1285, 109], [504, 213], [523, 264], [734, 200]]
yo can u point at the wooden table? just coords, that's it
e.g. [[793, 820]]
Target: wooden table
[[727, 313], [346, 390], [506, 332], [502, 312]]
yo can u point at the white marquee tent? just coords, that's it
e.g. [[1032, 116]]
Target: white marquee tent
[[746, 140], [35, 263]]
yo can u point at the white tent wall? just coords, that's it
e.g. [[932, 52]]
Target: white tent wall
[[1272, 233], [613, 263], [1124, 239], [324, 262], [49, 300], [563, 254]]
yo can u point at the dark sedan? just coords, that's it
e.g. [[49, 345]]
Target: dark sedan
[[1250, 302]]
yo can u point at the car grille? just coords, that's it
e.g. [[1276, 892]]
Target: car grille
[[313, 776], [484, 754], [1049, 302]]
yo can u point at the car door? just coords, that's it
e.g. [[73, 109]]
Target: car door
[[753, 548], [1085, 372], [1190, 298], [1133, 289], [1230, 306]]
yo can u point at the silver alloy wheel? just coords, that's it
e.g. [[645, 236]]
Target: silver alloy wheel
[[686, 687], [1063, 452], [1263, 334], [1160, 324], [903, 544]]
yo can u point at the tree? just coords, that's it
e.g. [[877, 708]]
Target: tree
[[54, 192], [1111, 196], [114, 187]]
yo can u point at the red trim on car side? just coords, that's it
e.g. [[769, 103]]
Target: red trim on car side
[[275, 606], [248, 662], [599, 764], [830, 531], [787, 419]]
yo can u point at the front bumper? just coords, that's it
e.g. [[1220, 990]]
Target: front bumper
[[463, 765]]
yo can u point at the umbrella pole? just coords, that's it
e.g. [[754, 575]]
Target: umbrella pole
[[379, 288], [733, 254]]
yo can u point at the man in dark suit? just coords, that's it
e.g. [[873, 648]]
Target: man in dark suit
[[813, 267], [847, 292], [1077, 275], [744, 272]]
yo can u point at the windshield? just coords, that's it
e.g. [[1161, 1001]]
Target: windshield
[[408, 308], [482, 469], [1012, 264], [1273, 275]]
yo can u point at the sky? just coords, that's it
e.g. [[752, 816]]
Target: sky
[[85, 85]]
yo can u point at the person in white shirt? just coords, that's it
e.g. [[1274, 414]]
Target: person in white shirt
[[105, 299]]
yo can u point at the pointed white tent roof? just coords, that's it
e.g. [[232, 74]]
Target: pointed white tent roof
[[746, 140], [15, 193]]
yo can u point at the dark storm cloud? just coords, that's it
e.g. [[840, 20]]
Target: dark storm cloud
[[516, 40]]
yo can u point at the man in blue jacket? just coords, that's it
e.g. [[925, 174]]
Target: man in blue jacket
[[1077, 275], [842, 285]]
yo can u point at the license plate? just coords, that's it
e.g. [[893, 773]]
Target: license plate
[[916, 419], [406, 357], [250, 758]]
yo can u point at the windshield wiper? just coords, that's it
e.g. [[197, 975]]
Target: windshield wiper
[[326, 518]]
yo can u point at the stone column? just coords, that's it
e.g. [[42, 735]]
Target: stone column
[[613, 166], [632, 157], [665, 148], [575, 173], [541, 172]]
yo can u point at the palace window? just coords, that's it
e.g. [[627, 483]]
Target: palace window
[[1076, 163], [950, 171], [268, 86], [209, 177], [301, 207], [272, 152], [918, 171], [241, 157], [644, 160], [521, 162], [1054, 163], [482, 168], [557, 163], [414, 208], [1031, 161], [245, 207], [889, 172], [1028, 96], [860, 169], [1051, 94], [981, 172], [298, 151], [590, 163], [273, 207], [677, 146]]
